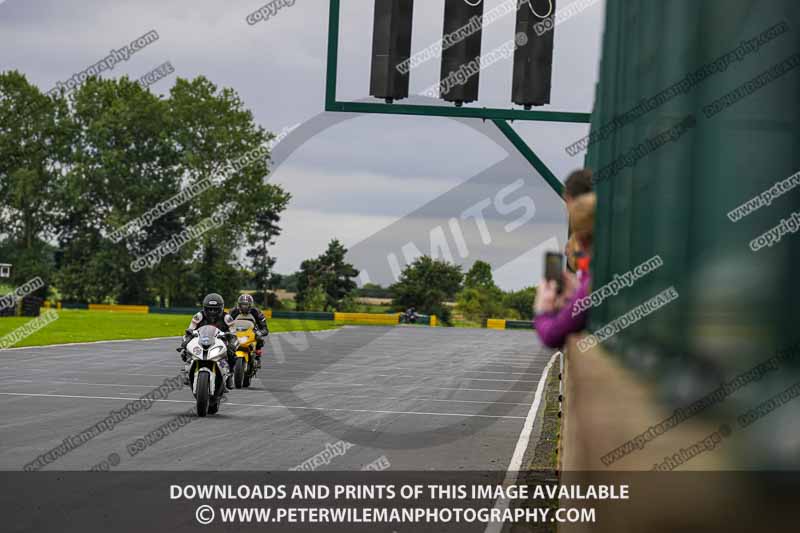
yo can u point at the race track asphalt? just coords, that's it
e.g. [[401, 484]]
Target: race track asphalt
[[416, 398]]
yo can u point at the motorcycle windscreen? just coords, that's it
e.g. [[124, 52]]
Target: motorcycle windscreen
[[207, 336], [243, 325]]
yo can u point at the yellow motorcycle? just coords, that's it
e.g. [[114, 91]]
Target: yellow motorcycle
[[245, 367]]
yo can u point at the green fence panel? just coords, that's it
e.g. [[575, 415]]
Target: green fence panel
[[735, 306]]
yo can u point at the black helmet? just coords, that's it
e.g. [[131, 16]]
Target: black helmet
[[213, 306], [245, 303]]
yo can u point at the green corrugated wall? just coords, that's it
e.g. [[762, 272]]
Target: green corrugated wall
[[736, 307]]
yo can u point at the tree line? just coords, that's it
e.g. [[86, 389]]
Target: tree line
[[79, 171], [75, 169], [327, 283]]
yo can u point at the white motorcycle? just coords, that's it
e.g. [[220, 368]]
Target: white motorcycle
[[208, 368]]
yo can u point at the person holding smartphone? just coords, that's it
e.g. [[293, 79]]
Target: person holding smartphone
[[558, 292], [576, 185]]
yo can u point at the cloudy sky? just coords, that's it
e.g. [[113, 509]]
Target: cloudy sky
[[389, 187]]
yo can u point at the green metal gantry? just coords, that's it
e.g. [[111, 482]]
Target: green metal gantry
[[499, 117]]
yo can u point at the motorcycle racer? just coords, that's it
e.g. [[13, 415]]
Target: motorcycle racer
[[212, 314], [245, 305]]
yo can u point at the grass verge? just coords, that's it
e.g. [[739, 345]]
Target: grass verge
[[545, 455], [86, 326], [541, 470]]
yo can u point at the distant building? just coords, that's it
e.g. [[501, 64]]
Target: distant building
[[5, 270]]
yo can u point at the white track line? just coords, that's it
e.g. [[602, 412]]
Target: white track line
[[331, 384], [329, 396], [522, 445], [464, 377], [283, 367], [287, 407], [44, 346], [304, 383], [20, 381], [147, 340]]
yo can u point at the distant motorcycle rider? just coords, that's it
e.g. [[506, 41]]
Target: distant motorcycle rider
[[213, 314], [245, 306]]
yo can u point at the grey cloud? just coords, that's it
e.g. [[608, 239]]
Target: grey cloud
[[278, 68]]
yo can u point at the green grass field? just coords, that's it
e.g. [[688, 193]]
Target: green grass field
[[86, 326]]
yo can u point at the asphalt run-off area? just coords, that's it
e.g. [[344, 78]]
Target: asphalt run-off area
[[417, 398]]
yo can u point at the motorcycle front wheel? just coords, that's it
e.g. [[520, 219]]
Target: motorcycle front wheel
[[238, 372], [203, 393]]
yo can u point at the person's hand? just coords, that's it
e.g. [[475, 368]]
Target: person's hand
[[570, 283], [546, 294]]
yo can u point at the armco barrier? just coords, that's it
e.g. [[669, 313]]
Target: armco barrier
[[172, 310], [496, 323], [368, 318], [303, 315], [427, 320], [388, 319], [120, 308], [500, 323], [74, 305]]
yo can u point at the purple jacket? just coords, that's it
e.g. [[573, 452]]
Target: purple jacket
[[554, 327]]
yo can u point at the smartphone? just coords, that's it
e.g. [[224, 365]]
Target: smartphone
[[554, 269]]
